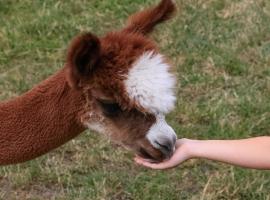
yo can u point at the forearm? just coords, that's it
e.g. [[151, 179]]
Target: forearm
[[251, 153]]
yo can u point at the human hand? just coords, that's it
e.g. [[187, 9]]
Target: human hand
[[181, 154]]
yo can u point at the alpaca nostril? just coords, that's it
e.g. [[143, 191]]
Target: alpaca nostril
[[166, 148]]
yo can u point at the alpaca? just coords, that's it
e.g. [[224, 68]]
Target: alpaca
[[118, 85]]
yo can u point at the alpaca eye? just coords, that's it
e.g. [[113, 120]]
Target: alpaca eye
[[109, 109]]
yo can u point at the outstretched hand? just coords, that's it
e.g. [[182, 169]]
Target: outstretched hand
[[232, 152], [180, 155]]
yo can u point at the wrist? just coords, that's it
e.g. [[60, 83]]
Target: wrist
[[190, 147], [201, 148]]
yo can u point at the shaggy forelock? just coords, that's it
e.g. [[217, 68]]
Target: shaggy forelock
[[150, 84]]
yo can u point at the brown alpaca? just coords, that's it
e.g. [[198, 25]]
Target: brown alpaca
[[118, 85]]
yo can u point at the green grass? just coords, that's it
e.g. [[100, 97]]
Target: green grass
[[222, 53]]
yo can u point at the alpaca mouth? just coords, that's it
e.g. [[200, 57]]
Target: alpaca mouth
[[147, 156]]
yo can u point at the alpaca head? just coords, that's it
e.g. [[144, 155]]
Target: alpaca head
[[128, 84]]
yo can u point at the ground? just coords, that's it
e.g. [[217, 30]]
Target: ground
[[221, 50]]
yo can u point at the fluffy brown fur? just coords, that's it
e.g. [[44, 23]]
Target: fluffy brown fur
[[61, 107], [40, 120]]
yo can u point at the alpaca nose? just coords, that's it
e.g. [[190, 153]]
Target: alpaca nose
[[166, 145], [162, 137]]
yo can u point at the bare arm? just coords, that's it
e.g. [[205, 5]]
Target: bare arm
[[249, 153]]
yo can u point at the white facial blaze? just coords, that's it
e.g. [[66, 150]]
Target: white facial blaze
[[150, 84]]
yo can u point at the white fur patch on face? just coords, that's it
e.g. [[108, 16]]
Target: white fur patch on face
[[150, 84]]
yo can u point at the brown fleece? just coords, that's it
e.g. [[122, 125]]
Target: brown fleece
[[54, 111], [40, 120]]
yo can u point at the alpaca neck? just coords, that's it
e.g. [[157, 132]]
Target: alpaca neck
[[40, 120]]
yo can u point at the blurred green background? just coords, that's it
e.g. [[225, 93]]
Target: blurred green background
[[221, 49]]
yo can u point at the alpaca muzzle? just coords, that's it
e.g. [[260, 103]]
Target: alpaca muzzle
[[162, 137]]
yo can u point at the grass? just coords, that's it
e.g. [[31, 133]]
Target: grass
[[222, 53]]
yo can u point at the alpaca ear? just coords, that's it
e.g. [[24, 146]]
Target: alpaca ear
[[83, 55], [145, 21]]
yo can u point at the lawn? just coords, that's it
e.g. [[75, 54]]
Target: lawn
[[221, 50]]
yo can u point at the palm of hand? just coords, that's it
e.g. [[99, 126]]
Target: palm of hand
[[180, 155]]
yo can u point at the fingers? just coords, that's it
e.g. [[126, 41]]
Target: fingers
[[164, 165]]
